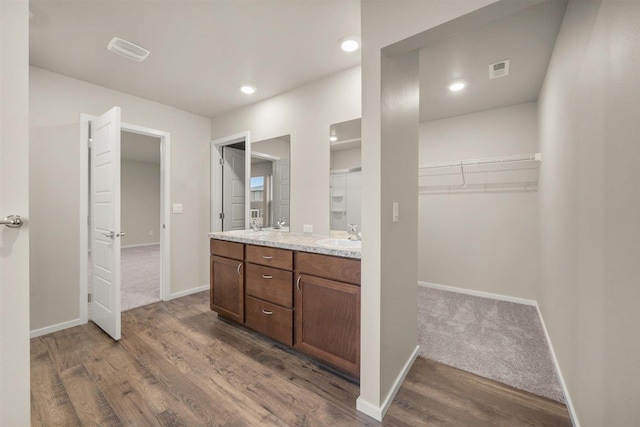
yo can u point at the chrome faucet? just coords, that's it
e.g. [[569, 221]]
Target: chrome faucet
[[353, 232], [254, 226], [279, 224]]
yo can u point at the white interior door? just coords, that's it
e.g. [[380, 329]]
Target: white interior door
[[233, 189], [281, 188], [105, 222]]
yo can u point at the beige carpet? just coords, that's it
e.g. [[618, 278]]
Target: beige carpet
[[140, 272], [140, 276], [499, 340]]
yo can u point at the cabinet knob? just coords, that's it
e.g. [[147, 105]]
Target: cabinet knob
[[267, 257], [268, 313], [239, 267], [298, 283], [265, 276]]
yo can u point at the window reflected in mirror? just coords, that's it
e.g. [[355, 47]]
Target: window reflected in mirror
[[346, 165], [269, 192]]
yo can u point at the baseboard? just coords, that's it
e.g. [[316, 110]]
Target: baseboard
[[55, 328], [567, 398], [376, 412], [188, 292], [478, 293], [139, 245]]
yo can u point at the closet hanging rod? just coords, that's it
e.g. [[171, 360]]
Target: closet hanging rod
[[484, 161]]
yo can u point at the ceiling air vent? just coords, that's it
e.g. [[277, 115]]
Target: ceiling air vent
[[128, 49], [499, 69]]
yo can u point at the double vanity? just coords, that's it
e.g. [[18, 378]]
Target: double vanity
[[301, 290]]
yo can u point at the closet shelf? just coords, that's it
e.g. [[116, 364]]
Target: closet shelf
[[508, 173]]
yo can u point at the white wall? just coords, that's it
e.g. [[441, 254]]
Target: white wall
[[346, 159], [306, 114], [482, 241], [590, 208], [14, 194], [56, 102], [388, 319], [140, 202]]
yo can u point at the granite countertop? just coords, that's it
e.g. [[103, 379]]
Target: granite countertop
[[287, 240]]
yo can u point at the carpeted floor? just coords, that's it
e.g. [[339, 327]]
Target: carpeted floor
[[140, 272], [140, 276], [499, 340]]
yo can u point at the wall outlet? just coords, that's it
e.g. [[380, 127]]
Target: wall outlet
[[396, 212], [177, 208], [150, 232], [307, 228]]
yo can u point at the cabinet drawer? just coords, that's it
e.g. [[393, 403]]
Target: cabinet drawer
[[329, 267], [272, 257], [269, 319], [227, 249], [270, 284]]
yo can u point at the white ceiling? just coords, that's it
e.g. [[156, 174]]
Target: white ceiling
[[201, 51], [526, 38], [139, 148]]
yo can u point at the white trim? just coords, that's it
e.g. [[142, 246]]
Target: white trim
[[188, 292], [216, 176], [55, 328], [478, 293], [264, 156], [378, 413], [165, 213], [567, 398], [140, 245]]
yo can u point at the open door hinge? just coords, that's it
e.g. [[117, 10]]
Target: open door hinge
[[221, 215], [221, 161], [89, 297]]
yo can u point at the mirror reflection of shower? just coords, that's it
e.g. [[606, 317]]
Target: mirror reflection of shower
[[269, 191], [346, 163]]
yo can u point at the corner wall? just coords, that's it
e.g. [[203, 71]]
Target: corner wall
[[484, 241], [306, 114], [387, 336], [590, 208], [56, 103]]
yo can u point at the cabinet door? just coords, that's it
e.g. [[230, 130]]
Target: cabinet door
[[327, 322], [227, 288]]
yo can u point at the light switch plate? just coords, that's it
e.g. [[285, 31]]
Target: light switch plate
[[396, 212], [307, 228], [177, 208]]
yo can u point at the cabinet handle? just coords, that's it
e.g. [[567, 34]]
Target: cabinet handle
[[298, 283], [264, 276], [239, 267], [267, 257], [268, 313]]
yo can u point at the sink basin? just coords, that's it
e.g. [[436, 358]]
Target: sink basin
[[340, 243]]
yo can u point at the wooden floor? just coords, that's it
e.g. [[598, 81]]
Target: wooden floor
[[177, 364]]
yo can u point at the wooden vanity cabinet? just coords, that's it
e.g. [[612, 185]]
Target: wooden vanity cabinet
[[227, 279], [269, 292], [327, 310]]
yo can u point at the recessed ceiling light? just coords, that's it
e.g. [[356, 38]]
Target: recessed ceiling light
[[350, 44], [128, 49], [248, 89], [457, 86], [333, 138]]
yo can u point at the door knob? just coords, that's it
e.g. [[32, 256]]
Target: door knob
[[110, 234], [12, 221], [121, 234]]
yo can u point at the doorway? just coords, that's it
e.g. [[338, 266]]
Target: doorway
[[154, 239], [230, 178]]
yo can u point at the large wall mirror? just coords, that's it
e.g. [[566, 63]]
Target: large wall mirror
[[346, 165], [269, 189]]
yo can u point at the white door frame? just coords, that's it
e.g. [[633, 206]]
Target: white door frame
[[165, 217], [216, 176]]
